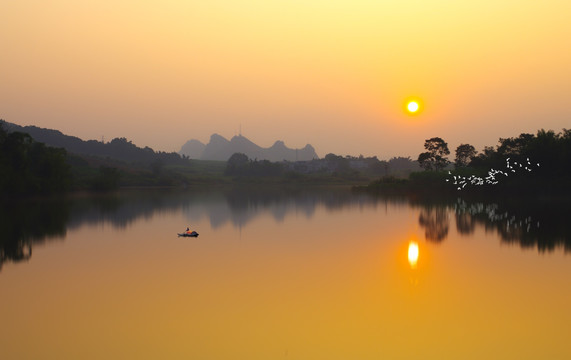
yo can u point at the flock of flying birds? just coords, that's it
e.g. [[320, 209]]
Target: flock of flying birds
[[493, 175]]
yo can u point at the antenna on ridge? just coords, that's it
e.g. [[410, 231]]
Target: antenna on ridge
[[240, 130]]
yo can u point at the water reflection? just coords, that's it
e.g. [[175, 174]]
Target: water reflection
[[434, 219], [535, 224], [541, 225], [413, 254], [241, 206], [235, 206], [25, 223]]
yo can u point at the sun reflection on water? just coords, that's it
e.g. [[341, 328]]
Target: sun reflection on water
[[413, 254]]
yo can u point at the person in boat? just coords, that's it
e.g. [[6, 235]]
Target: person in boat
[[188, 230]]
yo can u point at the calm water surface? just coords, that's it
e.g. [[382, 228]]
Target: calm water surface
[[283, 275]]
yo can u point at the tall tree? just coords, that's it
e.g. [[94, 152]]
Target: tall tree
[[238, 164], [464, 154], [435, 158]]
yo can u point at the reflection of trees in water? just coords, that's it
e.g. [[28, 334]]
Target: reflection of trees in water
[[530, 223], [121, 209], [539, 224], [238, 206], [434, 220], [243, 205], [465, 224], [27, 223]]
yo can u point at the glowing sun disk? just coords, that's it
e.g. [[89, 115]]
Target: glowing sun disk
[[412, 106]]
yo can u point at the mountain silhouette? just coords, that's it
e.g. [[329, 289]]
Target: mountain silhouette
[[219, 148], [116, 149], [193, 149]]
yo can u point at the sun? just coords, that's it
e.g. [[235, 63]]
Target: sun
[[413, 106]]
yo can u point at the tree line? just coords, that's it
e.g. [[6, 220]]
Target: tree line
[[347, 167], [240, 165], [31, 167], [549, 149]]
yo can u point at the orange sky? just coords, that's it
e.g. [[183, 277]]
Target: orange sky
[[327, 72]]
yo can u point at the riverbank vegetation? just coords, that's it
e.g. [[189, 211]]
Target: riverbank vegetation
[[538, 164], [104, 166], [528, 165], [30, 167]]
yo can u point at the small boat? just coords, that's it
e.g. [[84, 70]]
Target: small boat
[[189, 234]]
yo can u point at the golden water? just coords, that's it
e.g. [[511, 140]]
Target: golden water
[[283, 280]]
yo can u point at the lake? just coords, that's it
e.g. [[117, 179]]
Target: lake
[[283, 274]]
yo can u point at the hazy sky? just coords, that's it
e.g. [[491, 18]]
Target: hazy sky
[[333, 73]]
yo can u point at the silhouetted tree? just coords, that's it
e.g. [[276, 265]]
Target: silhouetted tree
[[552, 150], [240, 165], [338, 163], [435, 157], [464, 155], [488, 158], [237, 164], [27, 166], [514, 146]]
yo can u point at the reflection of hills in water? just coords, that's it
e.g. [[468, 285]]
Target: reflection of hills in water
[[240, 207], [23, 224], [237, 207]]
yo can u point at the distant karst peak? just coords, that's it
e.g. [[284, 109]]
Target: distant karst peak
[[219, 148]]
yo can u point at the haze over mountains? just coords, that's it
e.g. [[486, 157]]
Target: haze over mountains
[[219, 148], [117, 149], [304, 160]]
